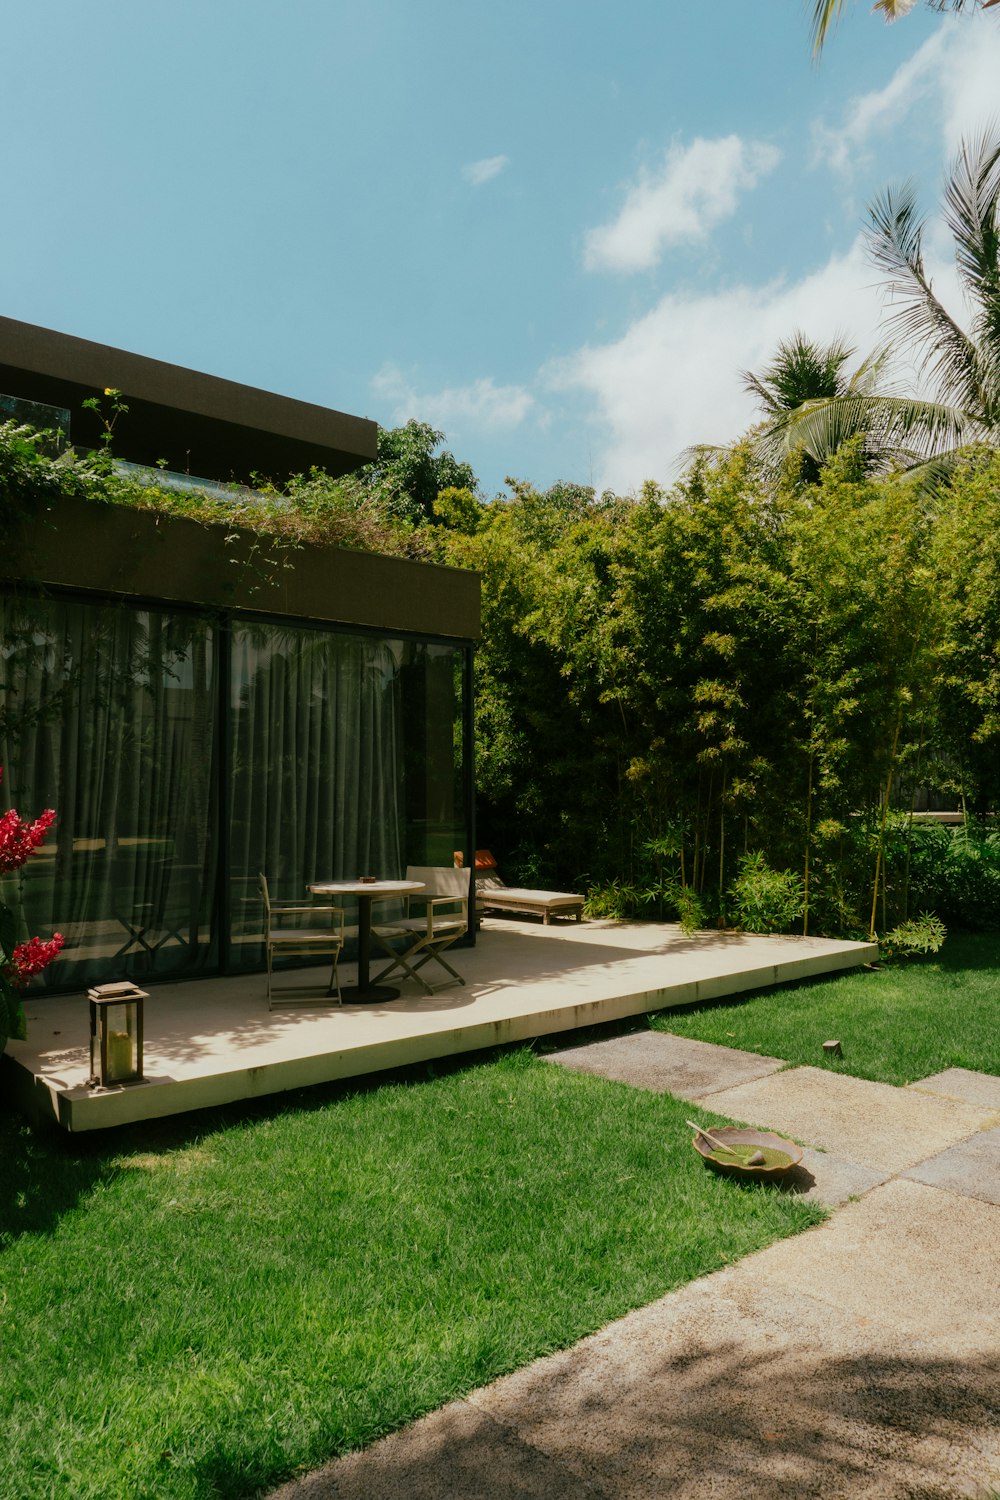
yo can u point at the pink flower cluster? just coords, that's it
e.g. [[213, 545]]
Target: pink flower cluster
[[30, 958], [18, 838]]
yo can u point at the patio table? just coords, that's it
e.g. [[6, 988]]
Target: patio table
[[364, 992]]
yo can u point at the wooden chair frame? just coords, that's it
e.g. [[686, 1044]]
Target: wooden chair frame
[[315, 942], [427, 936]]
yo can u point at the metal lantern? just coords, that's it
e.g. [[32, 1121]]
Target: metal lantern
[[115, 1034]]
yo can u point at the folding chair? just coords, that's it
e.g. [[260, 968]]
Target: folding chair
[[445, 899], [314, 941]]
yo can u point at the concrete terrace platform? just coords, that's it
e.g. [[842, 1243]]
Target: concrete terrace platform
[[213, 1041]]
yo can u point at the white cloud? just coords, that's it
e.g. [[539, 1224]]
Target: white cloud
[[969, 77], [673, 380], [696, 188], [955, 73], [478, 172], [479, 406], [868, 117]]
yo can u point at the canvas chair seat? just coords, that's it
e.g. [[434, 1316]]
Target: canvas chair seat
[[444, 919], [300, 935]]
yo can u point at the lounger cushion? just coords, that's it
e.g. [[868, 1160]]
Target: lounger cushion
[[519, 896]]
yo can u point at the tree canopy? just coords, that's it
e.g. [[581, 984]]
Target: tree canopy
[[962, 369]]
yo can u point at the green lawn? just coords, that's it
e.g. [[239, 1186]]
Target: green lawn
[[898, 1023], [202, 1307]]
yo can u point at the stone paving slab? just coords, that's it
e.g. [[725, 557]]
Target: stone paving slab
[[860, 1360], [456, 1452], [667, 1064], [971, 1168], [822, 1177], [878, 1126], [913, 1260], [793, 1372], [962, 1083]]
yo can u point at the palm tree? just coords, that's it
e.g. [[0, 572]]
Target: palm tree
[[800, 371], [825, 12], [962, 368], [805, 376]]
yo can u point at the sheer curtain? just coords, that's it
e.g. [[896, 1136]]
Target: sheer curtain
[[107, 714], [316, 765]]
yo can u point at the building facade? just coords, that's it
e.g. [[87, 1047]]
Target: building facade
[[199, 705]]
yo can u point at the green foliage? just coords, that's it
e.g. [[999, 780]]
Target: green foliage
[[459, 510], [766, 900], [962, 362], [957, 873], [667, 682], [312, 508], [917, 935], [12, 1021], [613, 899], [407, 476]]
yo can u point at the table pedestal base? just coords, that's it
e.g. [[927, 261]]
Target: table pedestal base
[[370, 994]]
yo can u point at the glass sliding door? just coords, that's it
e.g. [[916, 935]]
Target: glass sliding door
[[108, 714], [185, 756], [432, 683], [316, 766]]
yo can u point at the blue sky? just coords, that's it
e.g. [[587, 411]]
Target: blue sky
[[556, 231]]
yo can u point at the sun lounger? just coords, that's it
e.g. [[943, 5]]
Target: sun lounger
[[493, 895]]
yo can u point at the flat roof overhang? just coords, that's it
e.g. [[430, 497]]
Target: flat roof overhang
[[191, 423], [119, 552]]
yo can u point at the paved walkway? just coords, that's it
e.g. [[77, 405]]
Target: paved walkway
[[859, 1359]]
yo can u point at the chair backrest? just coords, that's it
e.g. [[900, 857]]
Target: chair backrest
[[265, 895], [440, 880]]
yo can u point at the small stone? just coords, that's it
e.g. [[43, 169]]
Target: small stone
[[833, 1049]]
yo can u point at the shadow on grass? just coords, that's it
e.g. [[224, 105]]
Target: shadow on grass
[[968, 950], [738, 1421], [45, 1171]]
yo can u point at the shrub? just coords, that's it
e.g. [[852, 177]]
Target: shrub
[[957, 874], [765, 900], [923, 934]]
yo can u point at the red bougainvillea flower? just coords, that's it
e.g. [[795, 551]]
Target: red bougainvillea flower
[[30, 958], [19, 838]]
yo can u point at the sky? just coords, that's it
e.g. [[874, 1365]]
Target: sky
[[555, 231]]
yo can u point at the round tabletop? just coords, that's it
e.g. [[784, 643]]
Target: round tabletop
[[364, 887]]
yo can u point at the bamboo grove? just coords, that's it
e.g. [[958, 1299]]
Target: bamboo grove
[[737, 691]]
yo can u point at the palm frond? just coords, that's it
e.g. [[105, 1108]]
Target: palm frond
[[897, 431], [971, 202], [920, 322], [801, 370], [700, 453], [870, 375], [825, 13], [893, 9], [972, 211]]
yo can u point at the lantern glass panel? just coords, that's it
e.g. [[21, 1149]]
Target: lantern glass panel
[[119, 1021]]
